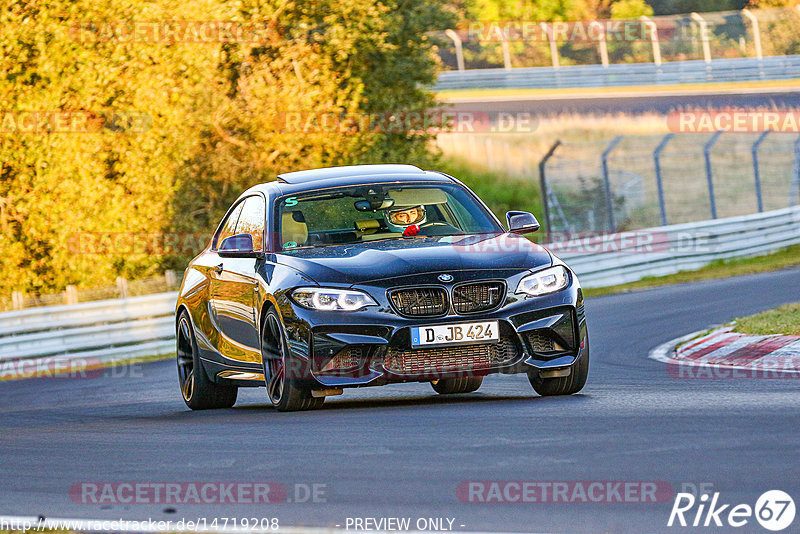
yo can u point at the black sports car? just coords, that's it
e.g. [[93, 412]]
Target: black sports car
[[366, 275]]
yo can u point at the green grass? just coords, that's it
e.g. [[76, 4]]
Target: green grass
[[501, 193], [782, 320], [787, 257]]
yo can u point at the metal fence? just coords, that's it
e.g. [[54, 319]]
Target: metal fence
[[632, 182], [511, 44], [100, 331], [694, 71], [123, 288], [629, 256]]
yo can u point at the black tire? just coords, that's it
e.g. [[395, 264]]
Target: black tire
[[450, 386], [287, 394], [198, 392], [562, 385]]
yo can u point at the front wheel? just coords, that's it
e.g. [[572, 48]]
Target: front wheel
[[449, 386], [562, 385], [283, 389], [199, 393]]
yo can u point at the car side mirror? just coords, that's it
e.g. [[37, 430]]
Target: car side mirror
[[521, 222], [238, 246]]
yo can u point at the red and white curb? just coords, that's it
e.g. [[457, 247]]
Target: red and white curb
[[720, 352]]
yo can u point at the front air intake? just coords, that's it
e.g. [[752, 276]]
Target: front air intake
[[420, 301]]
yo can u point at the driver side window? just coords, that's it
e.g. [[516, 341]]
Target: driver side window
[[228, 227], [252, 220]]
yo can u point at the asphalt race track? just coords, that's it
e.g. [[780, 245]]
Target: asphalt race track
[[610, 102], [402, 451]]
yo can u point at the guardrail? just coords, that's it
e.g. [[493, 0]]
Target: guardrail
[[99, 331], [621, 74], [629, 256], [121, 329]]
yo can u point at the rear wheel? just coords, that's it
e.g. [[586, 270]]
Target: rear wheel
[[449, 386], [199, 393], [562, 385], [284, 390]]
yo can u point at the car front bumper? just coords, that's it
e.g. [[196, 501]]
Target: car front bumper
[[372, 346]]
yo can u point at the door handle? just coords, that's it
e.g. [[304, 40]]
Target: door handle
[[218, 269]]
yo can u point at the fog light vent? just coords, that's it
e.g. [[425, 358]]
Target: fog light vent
[[539, 342], [346, 359]]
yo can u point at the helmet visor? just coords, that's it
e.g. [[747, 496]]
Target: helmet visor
[[407, 216]]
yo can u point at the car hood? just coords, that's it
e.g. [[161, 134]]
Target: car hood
[[366, 262]]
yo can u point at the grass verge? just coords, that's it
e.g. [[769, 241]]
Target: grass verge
[[781, 320], [781, 259]]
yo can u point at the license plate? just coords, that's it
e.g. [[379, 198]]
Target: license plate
[[455, 334]]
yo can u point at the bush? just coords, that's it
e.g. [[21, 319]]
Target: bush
[[177, 129]]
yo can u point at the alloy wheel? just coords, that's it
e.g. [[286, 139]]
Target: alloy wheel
[[185, 354], [274, 359]]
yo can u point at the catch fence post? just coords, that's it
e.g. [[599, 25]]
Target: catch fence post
[[71, 295], [701, 22], [601, 42], [551, 39], [653, 31], [756, 172], [607, 182], [756, 32], [662, 205], [709, 176], [794, 188], [543, 183], [459, 48], [122, 287], [17, 300]]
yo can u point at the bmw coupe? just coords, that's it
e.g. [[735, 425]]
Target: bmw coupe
[[367, 275]]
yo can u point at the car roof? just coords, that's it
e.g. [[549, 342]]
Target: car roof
[[315, 179], [312, 175]]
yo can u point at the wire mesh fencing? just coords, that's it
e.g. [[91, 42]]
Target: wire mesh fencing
[[481, 44], [635, 182]]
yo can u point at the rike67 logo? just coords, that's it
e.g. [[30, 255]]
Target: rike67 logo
[[774, 510]]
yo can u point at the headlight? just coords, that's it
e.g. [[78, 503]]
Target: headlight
[[544, 282], [319, 298]]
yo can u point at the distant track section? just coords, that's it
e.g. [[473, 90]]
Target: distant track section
[[637, 103]]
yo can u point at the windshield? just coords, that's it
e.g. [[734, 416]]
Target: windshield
[[362, 213]]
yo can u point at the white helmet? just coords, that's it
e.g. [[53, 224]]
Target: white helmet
[[398, 219]]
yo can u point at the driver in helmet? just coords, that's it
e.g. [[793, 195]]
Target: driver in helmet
[[406, 220]]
